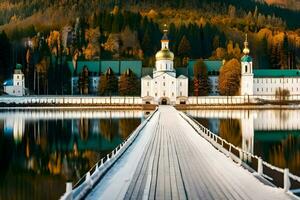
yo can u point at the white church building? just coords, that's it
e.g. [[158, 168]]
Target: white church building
[[164, 87], [16, 86]]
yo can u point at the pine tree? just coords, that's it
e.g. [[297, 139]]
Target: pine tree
[[184, 47], [146, 44]]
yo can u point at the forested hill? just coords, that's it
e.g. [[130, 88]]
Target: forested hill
[[43, 35], [19, 10]]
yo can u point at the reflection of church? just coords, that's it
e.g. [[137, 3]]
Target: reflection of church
[[163, 87]]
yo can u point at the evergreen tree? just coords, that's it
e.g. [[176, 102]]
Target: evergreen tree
[[184, 47], [5, 49], [147, 44]]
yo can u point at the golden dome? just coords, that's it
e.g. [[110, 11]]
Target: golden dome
[[164, 54]]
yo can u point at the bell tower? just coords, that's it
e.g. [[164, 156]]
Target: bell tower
[[246, 71]]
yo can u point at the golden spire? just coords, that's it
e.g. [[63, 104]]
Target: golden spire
[[246, 50], [165, 28]]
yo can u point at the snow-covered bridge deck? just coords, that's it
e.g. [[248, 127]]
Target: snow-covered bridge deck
[[169, 160]]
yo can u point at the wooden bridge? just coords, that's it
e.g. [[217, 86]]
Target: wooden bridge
[[169, 159]]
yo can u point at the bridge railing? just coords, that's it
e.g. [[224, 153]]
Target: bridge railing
[[273, 175], [94, 175]]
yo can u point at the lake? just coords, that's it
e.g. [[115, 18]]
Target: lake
[[274, 135], [42, 149]]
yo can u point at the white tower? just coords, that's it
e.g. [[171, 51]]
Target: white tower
[[247, 71]]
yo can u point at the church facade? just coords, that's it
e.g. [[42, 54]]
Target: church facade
[[164, 86], [16, 85]]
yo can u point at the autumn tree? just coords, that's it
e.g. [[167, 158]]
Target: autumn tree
[[108, 83], [229, 78], [84, 81], [92, 37], [128, 83], [201, 80]]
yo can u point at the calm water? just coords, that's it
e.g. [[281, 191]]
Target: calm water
[[40, 150], [272, 134]]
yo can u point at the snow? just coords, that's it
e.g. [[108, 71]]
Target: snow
[[170, 160], [115, 183]]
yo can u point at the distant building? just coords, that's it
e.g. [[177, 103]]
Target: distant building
[[16, 86], [166, 84], [163, 87], [96, 68], [266, 82]]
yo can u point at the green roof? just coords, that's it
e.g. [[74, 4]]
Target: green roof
[[276, 73], [246, 58], [117, 66], [135, 67], [276, 135], [181, 71], [92, 66], [114, 65], [212, 66], [18, 66]]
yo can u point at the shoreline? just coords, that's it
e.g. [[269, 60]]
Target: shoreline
[[239, 107], [148, 107]]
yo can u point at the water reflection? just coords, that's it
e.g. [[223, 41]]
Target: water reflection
[[272, 134], [41, 150]]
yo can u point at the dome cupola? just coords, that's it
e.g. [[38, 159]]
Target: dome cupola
[[165, 53]]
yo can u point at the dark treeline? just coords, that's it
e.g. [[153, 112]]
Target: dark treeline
[[20, 9]]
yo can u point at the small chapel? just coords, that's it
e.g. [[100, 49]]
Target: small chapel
[[164, 87]]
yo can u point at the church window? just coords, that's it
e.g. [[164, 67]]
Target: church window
[[166, 66], [17, 83], [246, 68], [180, 83], [173, 94], [164, 84], [155, 82], [164, 77], [147, 93], [257, 89], [164, 93], [172, 82], [180, 93], [148, 83], [156, 94], [17, 77]]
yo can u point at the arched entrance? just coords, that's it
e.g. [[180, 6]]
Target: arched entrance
[[164, 101]]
